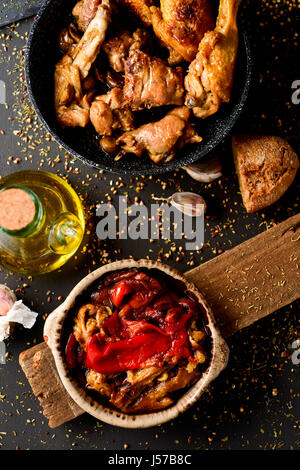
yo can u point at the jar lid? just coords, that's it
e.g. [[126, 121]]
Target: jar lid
[[17, 208]]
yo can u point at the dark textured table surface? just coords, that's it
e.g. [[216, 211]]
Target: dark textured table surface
[[254, 404]]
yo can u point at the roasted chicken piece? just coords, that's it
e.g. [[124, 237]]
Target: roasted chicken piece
[[181, 24], [161, 139], [119, 47], [72, 108], [141, 8], [84, 11], [109, 112], [89, 46], [210, 77], [150, 82]]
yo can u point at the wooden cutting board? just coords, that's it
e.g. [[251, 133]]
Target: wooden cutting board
[[242, 285]]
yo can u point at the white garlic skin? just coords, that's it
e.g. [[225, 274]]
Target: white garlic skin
[[7, 299]]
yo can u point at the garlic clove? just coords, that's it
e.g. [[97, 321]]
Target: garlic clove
[[189, 203], [205, 172]]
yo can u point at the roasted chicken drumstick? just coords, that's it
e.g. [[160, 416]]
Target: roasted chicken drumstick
[[181, 24], [210, 76]]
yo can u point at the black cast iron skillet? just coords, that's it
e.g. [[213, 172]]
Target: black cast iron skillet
[[41, 56]]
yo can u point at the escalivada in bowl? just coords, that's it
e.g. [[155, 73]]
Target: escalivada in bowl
[[135, 343]]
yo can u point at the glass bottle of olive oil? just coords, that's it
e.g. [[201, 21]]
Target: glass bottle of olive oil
[[41, 222]]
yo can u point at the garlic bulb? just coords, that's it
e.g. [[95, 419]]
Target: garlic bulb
[[7, 300], [205, 172], [13, 311]]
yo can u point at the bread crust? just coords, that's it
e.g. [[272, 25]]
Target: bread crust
[[266, 166]]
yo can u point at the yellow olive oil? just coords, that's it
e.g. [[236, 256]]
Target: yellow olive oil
[[53, 228]]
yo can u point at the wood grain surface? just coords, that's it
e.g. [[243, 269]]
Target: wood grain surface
[[253, 279], [39, 367]]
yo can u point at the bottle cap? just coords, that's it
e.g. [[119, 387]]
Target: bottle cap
[[17, 208]]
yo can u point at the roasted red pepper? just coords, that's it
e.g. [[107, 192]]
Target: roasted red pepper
[[71, 351], [144, 344], [126, 354], [74, 354], [148, 326], [118, 292], [143, 287]]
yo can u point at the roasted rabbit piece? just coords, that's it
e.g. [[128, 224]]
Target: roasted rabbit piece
[[109, 112], [210, 77], [72, 108], [118, 48], [84, 11], [150, 82], [88, 48], [140, 8], [161, 139], [181, 24]]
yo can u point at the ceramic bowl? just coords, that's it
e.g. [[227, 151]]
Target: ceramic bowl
[[55, 328]]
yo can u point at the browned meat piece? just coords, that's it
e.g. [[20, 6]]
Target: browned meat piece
[[181, 24], [210, 76], [150, 82], [161, 138], [114, 79], [72, 108], [118, 48], [68, 38], [89, 46], [102, 117], [84, 11], [266, 166], [109, 112], [141, 9]]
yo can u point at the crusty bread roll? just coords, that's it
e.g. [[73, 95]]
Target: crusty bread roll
[[266, 166]]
